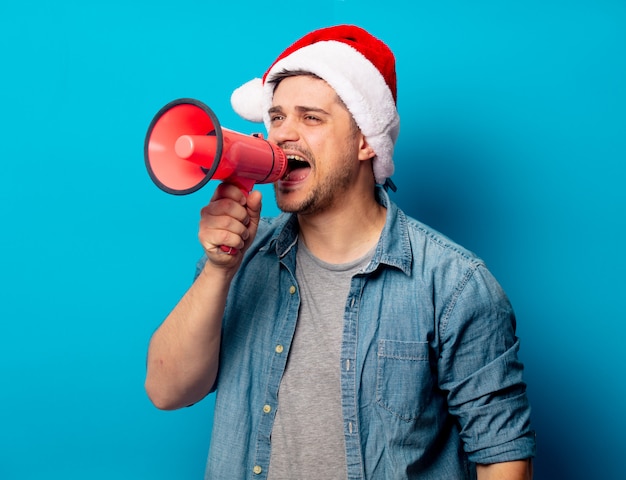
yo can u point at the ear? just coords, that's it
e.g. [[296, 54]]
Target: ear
[[366, 152]]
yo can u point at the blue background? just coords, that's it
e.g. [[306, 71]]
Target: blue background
[[513, 142]]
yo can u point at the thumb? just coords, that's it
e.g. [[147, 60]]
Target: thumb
[[254, 203]]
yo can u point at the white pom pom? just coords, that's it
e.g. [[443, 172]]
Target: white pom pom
[[247, 100]]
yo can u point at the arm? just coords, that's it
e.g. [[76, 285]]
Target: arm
[[183, 355], [517, 470], [480, 368]]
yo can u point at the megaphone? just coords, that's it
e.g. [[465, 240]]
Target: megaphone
[[185, 147]]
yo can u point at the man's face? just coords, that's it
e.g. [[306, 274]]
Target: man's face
[[316, 131]]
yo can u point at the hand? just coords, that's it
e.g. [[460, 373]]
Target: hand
[[230, 220]]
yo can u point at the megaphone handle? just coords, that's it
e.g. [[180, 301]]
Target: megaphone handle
[[245, 185]]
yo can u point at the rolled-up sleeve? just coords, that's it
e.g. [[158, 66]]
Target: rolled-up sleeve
[[480, 370]]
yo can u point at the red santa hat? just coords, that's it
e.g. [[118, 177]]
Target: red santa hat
[[358, 66]]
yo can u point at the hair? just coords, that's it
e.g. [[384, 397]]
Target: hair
[[280, 76]]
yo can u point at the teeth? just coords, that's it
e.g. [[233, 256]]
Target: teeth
[[295, 162]]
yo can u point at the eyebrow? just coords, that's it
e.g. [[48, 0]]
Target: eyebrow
[[300, 109]]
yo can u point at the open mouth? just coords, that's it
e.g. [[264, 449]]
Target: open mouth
[[297, 169]]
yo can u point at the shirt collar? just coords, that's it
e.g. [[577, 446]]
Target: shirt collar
[[393, 249]]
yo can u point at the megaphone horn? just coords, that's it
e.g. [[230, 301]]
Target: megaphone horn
[[185, 147]]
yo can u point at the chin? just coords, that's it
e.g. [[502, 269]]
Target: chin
[[287, 206], [291, 204], [287, 198]]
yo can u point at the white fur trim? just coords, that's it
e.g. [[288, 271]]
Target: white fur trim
[[247, 100], [360, 85]]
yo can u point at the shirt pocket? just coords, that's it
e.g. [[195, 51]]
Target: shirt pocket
[[403, 379]]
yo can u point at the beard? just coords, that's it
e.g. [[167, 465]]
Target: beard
[[323, 194]]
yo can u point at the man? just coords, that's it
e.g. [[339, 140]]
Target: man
[[343, 339]]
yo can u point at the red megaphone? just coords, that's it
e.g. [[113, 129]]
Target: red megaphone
[[185, 147]]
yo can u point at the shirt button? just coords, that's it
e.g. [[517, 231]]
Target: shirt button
[[267, 409], [257, 469], [279, 349], [292, 289]]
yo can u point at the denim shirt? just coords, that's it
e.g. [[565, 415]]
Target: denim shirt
[[430, 378]]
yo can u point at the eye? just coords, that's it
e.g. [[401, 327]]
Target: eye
[[274, 118], [312, 119]]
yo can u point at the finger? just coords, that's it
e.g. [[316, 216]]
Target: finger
[[224, 223], [228, 190], [227, 226], [221, 240], [226, 207]]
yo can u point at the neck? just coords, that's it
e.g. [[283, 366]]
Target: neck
[[345, 232]]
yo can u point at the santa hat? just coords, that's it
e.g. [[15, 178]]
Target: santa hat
[[358, 66]]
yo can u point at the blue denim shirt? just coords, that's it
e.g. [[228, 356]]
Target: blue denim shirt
[[430, 378]]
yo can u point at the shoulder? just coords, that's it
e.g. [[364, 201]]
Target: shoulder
[[430, 238], [404, 234], [455, 275], [429, 248]]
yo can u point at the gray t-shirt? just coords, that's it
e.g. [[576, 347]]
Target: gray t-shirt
[[308, 433]]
